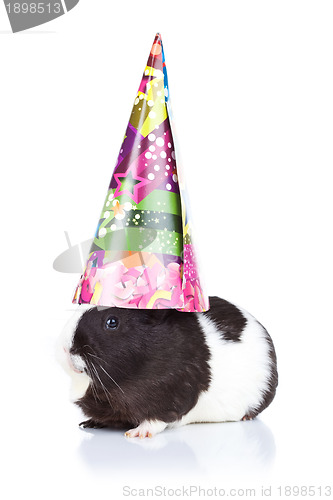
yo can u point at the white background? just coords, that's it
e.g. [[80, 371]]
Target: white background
[[251, 85]]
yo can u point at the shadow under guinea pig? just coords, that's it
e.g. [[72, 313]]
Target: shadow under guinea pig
[[222, 449]]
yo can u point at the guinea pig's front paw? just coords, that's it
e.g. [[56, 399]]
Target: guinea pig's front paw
[[148, 428], [91, 424]]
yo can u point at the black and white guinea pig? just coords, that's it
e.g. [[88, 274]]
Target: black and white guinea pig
[[152, 369]]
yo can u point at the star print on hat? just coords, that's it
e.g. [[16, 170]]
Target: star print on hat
[[142, 255]]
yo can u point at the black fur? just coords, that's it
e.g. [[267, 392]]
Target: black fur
[[158, 360], [227, 318]]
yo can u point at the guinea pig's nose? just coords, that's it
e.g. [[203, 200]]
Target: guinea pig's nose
[[77, 370], [75, 361]]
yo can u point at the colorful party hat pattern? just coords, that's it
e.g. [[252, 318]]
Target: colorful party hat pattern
[[142, 255]]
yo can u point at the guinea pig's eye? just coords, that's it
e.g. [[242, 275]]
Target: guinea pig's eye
[[111, 323]]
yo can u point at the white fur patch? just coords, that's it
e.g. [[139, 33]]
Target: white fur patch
[[79, 381], [240, 373]]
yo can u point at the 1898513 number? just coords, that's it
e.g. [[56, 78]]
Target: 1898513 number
[[303, 491], [33, 8]]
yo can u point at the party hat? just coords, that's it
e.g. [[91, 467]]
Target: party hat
[[142, 255]]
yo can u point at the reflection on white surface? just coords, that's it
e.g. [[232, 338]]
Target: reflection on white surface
[[198, 449]]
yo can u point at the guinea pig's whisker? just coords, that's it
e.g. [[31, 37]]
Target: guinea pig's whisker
[[93, 354], [103, 361], [93, 388], [97, 357], [103, 386], [96, 397], [87, 345], [101, 367]]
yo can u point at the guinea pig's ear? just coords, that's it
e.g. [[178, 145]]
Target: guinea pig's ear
[[156, 316]]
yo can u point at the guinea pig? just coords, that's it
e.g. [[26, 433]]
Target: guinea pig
[[152, 369]]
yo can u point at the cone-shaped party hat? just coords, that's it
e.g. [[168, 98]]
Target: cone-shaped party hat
[[142, 255]]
